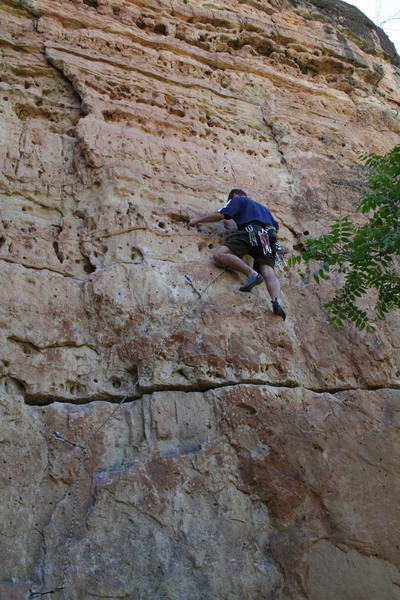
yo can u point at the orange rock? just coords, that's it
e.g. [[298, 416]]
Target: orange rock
[[255, 458]]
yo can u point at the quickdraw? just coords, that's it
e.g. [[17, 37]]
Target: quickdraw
[[280, 259], [252, 236], [264, 241]]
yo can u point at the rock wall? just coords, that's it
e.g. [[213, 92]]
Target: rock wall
[[252, 458]]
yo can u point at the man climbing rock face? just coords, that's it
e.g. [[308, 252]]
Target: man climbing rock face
[[256, 234]]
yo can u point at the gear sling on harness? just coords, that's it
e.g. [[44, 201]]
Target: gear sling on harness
[[264, 238]]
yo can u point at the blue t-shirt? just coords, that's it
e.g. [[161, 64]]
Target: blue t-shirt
[[243, 210]]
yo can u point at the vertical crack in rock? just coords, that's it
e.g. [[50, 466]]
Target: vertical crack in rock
[[56, 235], [267, 113]]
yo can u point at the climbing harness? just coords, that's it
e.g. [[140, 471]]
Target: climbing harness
[[268, 243], [263, 240], [86, 445]]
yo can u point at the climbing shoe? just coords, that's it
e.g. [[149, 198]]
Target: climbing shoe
[[252, 280], [277, 308]]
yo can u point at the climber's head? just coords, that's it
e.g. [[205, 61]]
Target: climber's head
[[236, 192]]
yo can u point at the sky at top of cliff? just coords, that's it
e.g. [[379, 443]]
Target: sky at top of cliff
[[381, 13]]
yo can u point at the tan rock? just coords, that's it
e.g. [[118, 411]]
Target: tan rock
[[253, 458]]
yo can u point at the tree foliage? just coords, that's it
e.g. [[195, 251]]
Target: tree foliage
[[366, 255]]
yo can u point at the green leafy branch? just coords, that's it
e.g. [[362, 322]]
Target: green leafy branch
[[366, 255]]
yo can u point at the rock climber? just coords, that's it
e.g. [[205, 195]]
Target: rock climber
[[256, 236]]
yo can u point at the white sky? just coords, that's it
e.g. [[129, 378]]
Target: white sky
[[380, 10]]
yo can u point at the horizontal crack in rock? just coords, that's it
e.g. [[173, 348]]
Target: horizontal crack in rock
[[36, 268], [37, 348], [45, 400]]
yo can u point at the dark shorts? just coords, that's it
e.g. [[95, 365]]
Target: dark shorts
[[239, 244]]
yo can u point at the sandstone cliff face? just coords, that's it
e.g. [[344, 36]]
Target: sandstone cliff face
[[253, 458]]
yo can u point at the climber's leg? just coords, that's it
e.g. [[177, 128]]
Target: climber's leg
[[273, 287], [271, 281], [224, 257]]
